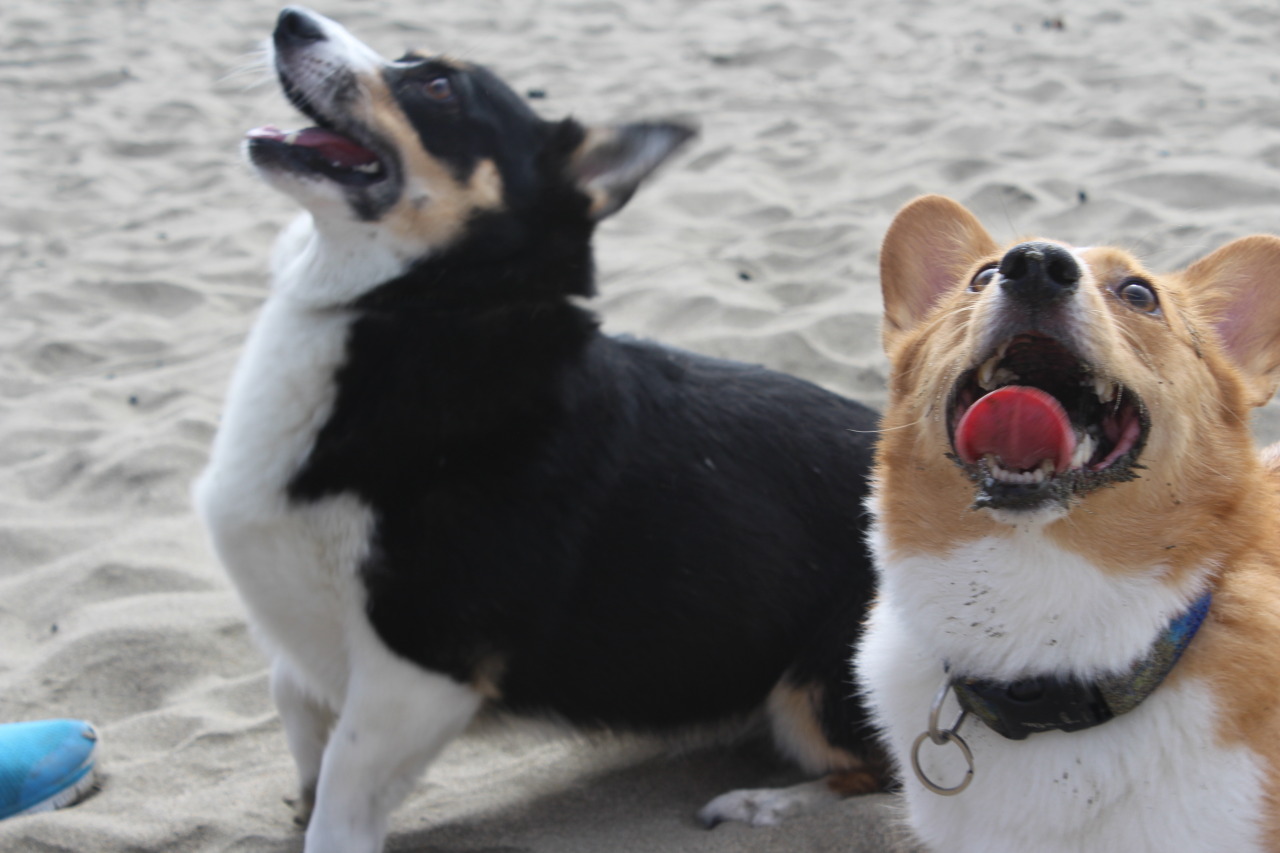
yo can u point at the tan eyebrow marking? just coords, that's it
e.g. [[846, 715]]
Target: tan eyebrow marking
[[436, 205]]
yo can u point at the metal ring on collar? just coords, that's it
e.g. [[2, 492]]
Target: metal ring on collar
[[941, 737], [945, 738]]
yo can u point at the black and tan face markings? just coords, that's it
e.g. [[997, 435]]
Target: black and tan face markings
[[418, 78], [437, 149], [439, 136], [439, 186], [464, 114]]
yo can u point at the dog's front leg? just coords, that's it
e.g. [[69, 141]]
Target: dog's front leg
[[307, 723], [395, 720]]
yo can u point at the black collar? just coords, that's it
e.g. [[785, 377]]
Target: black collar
[[1020, 708]]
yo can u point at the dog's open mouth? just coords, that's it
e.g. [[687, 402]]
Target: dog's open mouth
[[1033, 424], [322, 151], [341, 154]]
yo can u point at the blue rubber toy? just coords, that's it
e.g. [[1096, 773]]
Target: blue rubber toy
[[45, 765]]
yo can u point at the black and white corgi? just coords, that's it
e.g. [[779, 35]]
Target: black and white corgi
[[438, 486]]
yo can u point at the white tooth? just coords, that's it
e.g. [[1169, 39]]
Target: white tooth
[[1004, 475], [1083, 452], [368, 168], [986, 372], [1104, 388], [1023, 478], [291, 138], [992, 376]]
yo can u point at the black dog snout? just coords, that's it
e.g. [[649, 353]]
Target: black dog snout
[[296, 27], [1039, 272]]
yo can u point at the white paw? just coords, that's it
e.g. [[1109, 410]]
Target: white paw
[[766, 806]]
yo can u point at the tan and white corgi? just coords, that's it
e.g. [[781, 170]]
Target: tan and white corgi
[[1076, 642]]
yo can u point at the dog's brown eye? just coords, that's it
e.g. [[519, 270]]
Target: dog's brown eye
[[439, 89], [982, 279], [1138, 295]]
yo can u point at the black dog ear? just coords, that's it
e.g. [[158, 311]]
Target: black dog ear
[[611, 162]]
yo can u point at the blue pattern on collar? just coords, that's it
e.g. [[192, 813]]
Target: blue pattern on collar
[[1020, 708]]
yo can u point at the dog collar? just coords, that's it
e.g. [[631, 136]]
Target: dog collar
[[1040, 704]]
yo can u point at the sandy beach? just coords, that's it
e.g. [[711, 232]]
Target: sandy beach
[[133, 257]]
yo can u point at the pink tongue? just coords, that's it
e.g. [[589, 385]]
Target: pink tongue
[[1021, 426], [334, 147]]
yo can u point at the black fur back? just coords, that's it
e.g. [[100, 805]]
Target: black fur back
[[612, 531], [639, 536]]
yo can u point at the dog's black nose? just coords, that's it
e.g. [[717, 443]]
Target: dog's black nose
[[1039, 272], [295, 27]]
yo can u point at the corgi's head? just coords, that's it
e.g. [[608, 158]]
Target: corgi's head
[[1040, 380], [425, 154]]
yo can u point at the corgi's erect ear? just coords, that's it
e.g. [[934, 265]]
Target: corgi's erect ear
[[611, 162], [1238, 286], [931, 243]]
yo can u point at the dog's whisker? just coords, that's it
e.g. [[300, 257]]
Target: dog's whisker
[[882, 430], [256, 66]]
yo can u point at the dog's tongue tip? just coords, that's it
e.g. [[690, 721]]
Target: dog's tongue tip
[[1021, 425]]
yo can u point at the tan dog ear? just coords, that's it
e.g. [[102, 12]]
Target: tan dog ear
[[612, 161], [931, 243], [1238, 287]]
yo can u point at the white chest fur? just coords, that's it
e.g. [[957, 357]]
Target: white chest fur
[[1155, 779], [294, 565]]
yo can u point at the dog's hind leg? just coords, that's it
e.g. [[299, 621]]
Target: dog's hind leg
[[395, 720], [307, 723], [800, 729]]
